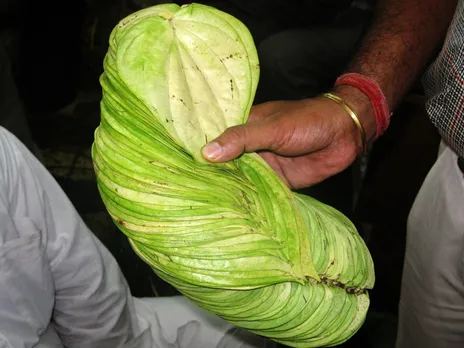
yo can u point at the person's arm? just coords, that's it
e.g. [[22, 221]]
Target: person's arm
[[400, 42], [308, 140]]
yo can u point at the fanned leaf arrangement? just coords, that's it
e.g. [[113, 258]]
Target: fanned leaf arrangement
[[231, 237]]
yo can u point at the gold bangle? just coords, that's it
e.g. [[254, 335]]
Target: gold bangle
[[353, 115]]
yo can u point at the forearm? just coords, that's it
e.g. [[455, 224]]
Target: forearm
[[401, 41]]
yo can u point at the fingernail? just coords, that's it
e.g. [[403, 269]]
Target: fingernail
[[212, 150]]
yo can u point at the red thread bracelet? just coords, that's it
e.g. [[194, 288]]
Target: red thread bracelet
[[372, 89]]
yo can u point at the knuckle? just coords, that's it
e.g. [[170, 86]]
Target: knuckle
[[281, 134], [234, 134]]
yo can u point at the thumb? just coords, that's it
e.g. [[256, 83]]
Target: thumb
[[249, 137]]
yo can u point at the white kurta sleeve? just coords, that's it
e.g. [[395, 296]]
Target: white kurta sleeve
[[53, 267]]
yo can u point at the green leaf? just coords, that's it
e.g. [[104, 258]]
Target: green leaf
[[231, 237]]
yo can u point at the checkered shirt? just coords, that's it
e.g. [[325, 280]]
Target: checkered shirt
[[444, 85]]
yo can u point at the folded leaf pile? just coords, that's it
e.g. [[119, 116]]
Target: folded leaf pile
[[231, 237]]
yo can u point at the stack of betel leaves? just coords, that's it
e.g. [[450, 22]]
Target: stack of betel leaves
[[230, 237]]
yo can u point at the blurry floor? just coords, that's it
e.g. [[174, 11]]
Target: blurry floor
[[398, 165]]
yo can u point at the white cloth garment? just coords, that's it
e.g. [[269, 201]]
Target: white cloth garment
[[431, 311], [60, 287]]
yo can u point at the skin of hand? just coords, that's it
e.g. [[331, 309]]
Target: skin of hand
[[307, 141], [304, 141]]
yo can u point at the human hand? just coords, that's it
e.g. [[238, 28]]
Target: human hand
[[304, 141]]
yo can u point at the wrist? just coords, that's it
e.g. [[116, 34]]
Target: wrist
[[362, 106]]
